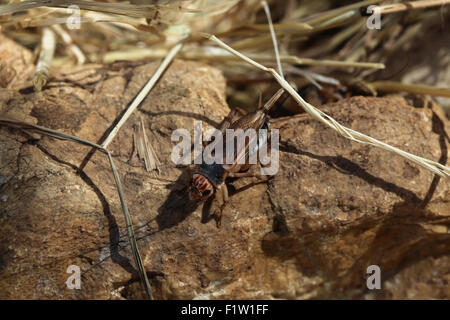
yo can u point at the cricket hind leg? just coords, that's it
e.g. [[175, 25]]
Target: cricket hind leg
[[207, 215], [267, 144], [223, 193], [251, 171], [232, 116], [188, 173], [246, 169], [214, 206], [250, 174]]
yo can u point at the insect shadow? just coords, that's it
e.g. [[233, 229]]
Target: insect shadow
[[178, 206]]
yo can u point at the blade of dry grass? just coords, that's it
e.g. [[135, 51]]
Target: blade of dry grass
[[313, 77], [130, 231], [144, 148], [274, 38], [351, 134], [285, 27], [145, 90], [129, 225], [132, 10], [213, 55], [88, 17], [411, 5], [393, 86], [48, 45], [76, 51], [332, 14]]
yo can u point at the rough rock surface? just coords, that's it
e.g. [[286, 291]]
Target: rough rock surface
[[423, 59], [334, 208], [16, 64]]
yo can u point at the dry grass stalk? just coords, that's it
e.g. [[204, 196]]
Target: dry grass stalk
[[64, 136], [76, 51], [213, 55], [145, 90], [351, 134], [144, 148], [411, 5], [323, 17], [393, 86], [274, 38], [48, 45], [131, 10]]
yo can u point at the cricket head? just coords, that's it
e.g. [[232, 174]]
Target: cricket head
[[200, 187]]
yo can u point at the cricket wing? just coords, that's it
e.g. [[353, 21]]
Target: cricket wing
[[241, 144]]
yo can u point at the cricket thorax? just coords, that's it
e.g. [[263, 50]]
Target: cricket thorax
[[214, 172], [206, 180]]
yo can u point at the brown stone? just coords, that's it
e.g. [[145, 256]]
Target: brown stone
[[334, 208], [16, 64]]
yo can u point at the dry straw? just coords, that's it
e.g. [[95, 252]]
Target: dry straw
[[48, 45], [351, 134], [274, 38], [145, 91], [73, 48], [64, 136], [60, 135], [411, 5]]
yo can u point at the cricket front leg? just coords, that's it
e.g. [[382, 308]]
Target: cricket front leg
[[222, 192], [188, 173], [249, 174]]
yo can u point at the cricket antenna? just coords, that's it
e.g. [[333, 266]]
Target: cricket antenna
[[274, 37], [269, 104]]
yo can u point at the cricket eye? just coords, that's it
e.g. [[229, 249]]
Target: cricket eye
[[206, 192]]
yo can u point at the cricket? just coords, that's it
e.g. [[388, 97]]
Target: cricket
[[209, 179]]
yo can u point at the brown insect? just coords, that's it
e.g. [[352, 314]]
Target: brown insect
[[206, 180]]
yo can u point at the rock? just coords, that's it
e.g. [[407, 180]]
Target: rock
[[334, 208], [425, 279], [16, 64], [370, 207]]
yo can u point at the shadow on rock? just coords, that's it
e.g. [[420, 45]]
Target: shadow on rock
[[177, 206], [282, 244]]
